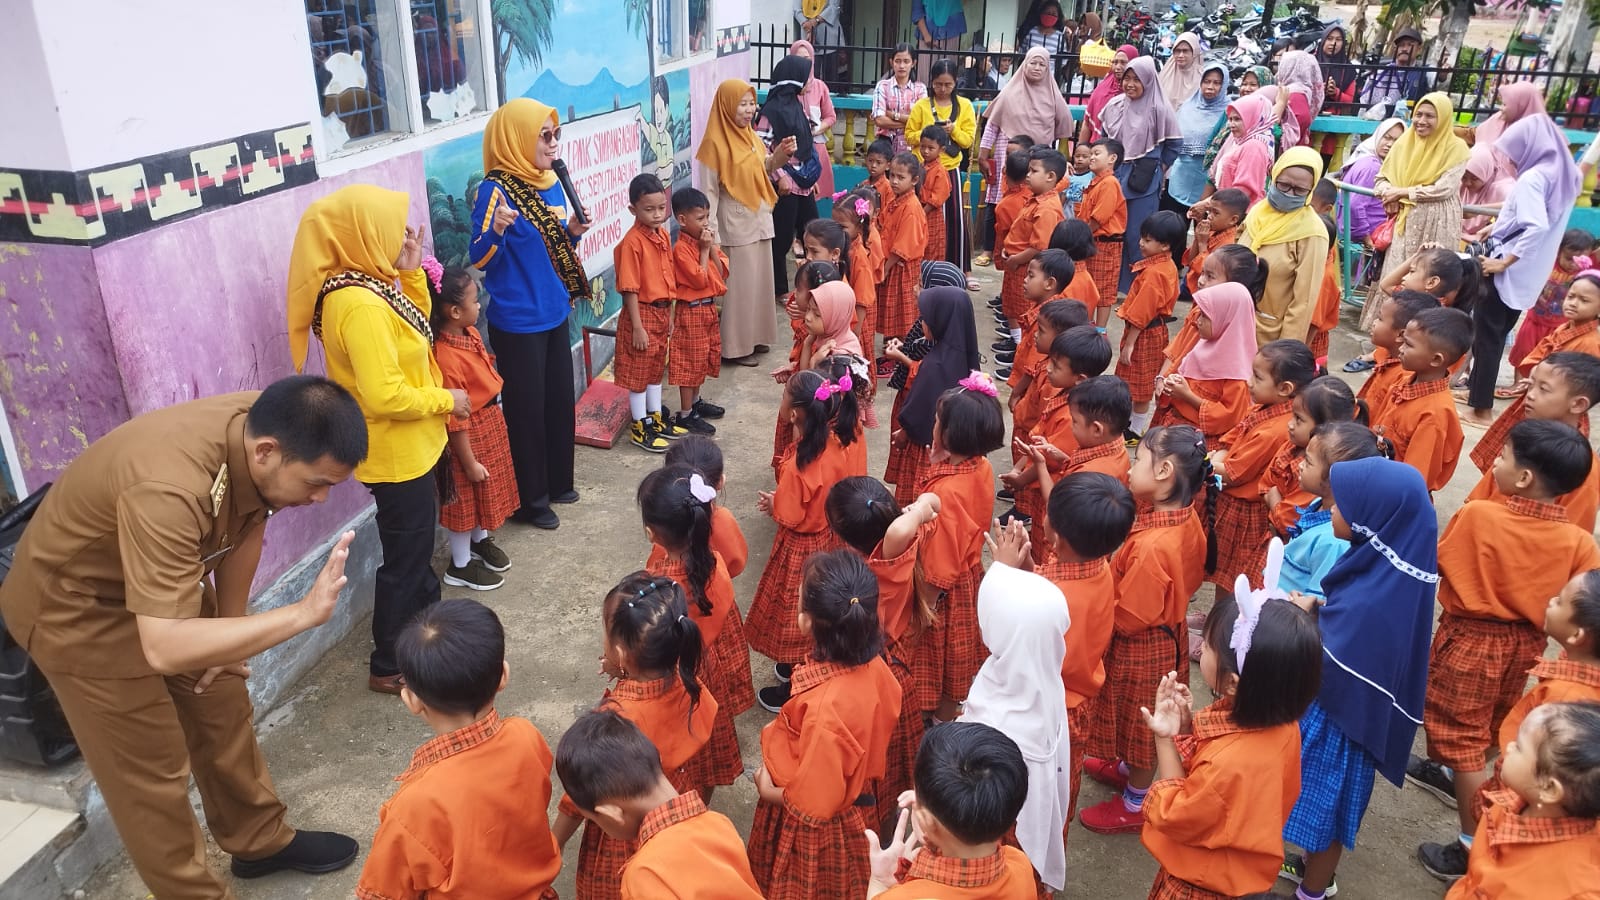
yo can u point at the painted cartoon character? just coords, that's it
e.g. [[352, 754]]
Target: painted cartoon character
[[658, 133]]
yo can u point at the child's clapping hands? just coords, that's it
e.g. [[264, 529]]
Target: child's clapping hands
[[1009, 545], [1174, 709]]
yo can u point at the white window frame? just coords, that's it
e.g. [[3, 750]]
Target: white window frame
[[388, 145], [680, 9]]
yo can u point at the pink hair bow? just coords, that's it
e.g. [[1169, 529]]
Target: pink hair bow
[[829, 388], [839, 195], [863, 207], [435, 272], [980, 382]]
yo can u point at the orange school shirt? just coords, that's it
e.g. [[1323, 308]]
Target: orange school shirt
[[954, 546], [864, 275], [1028, 360], [1224, 402], [935, 186], [797, 501], [1422, 422], [687, 852], [832, 737], [1036, 222], [1154, 291], [1581, 505], [1195, 256], [1519, 857], [1505, 561], [1082, 287], [1251, 446], [489, 778], [1283, 473], [897, 588], [644, 265], [1091, 592], [469, 368], [1110, 458], [1584, 338], [1103, 203], [1386, 373], [905, 229], [1325, 316], [1558, 681], [1220, 827], [1006, 211], [660, 709], [1007, 875], [1158, 569], [694, 281], [719, 591]]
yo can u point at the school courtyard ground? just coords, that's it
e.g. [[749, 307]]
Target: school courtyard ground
[[335, 748]]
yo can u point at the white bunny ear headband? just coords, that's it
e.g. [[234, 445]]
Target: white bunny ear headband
[[703, 492], [1251, 601]]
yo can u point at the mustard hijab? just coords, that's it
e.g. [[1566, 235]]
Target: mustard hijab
[[1414, 160], [1267, 226], [360, 228], [511, 136], [734, 152]]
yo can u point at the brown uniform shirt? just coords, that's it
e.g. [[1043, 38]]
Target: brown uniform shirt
[[133, 527]]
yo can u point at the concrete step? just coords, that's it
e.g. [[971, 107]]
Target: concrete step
[[64, 787], [31, 839]]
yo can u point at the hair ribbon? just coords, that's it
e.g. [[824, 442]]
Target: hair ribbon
[[1251, 602], [829, 388], [863, 207], [702, 492], [434, 270], [979, 382]]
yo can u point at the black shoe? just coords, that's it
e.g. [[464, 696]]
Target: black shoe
[[1431, 777], [1446, 862], [1005, 346], [784, 671], [996, 303], [773, 698], [694, 423], [1294, 870], [1003, 332], [314, 852], [1003, 373], [885, 367], [538, 517], [1006, 496], [707, 409], [1000, 317], [565, 497], [1011, 515], [1006, 357]]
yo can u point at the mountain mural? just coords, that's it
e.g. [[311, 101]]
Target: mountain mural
[[602, 94]]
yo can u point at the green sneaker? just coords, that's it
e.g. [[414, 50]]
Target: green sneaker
[[474, 576]]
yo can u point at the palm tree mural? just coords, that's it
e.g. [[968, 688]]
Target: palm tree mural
[[521, 27]]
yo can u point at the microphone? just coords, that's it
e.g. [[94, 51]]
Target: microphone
[[578, 212]]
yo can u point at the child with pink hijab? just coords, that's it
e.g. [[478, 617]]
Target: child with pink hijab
[[1211, 387], [1483, 184]]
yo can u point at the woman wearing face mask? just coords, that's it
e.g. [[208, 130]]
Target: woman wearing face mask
[[1420, 182], [1180, 77], [1285, 233], [1109, 88], [1042, 28], [1145, 124], [1198, 120]]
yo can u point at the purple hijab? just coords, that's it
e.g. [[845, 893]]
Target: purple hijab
[[1537, 211]]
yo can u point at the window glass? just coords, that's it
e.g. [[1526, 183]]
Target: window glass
[[355, 54], [450, 70]]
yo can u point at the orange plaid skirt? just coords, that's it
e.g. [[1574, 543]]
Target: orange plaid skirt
[[636, 370], [901, 760], [1148, 355], [1012, 303], [774, 627], [1317, 340], [600, 861], [897, 300], [1078, 724], [1477, 670], [952, 651], [907, 467], [800, 858], [937, 238], [696, 352], [488, 503], [719, 761], [1170, 887], [1135, 665], [727, 660], [1243, 530], [1104, 268]]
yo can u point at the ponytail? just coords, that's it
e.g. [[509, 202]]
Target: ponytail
[[681, 522], [689, 649], [648, 616], [1213, 489]]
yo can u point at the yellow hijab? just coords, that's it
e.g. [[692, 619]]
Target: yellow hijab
[[734, 152], [511, 136], [359, 228], [1414, 161], [1266, 225]]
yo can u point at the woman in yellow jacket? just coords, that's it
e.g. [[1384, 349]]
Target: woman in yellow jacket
[[352, 248], [946, 108]]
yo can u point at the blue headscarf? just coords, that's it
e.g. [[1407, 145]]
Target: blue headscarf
[[1376, 626], [1198, 117]]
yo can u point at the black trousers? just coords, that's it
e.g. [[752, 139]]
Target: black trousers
[[789, 219], [1492, 320], [408, 513], [986, 229], [540, 410]]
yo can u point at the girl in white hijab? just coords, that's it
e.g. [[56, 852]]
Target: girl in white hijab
[[1023, 618]]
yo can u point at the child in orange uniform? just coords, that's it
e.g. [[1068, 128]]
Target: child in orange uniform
[[675, 503], [647, 281], [1074, 236], [613, 776], [1325, 400], [1216, 224], [1158, 569], [1563, 388], [968, 425], [1228, 777], [1006, 211], [1419, 418], [480, 450], [1243, 528], [703, 455], [971, 784], [1548, 311], [1394, 314], [935, 190], [651, 648], [1493, 602], [1151, 297], [479, 775], [1048, 274], [1210, 388], [1029, 235], [879, 154], [1229, 262], [702, 277], [862, 512], [854, 212], [905, 237], [1540, 838], [1105, 210], [1581, 332], [1325, 316], [808, 276], [823, 416], [821, 754]]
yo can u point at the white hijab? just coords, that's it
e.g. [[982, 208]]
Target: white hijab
[[1023, 618]]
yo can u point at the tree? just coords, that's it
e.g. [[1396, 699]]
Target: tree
[[522, 27], [1572, 42]]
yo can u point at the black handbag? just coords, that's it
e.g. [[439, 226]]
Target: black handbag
[[1143, 174]]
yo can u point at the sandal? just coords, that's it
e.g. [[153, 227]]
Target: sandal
[[972, 284], [1509, 393], [1359, 364], [982, 259]]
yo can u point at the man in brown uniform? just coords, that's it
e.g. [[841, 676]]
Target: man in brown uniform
[[109, 596]]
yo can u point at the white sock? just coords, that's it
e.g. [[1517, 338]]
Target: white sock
[[652, 398], [479, 534], [1141, 421], [1016, 336], [636, 404], [460, 548]]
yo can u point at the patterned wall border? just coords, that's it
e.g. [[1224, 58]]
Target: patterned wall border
[[127, 198], [733, 40]]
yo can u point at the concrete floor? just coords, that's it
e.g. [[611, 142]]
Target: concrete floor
[[335, 748]]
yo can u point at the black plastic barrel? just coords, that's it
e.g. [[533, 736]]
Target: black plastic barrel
[[32, 728]]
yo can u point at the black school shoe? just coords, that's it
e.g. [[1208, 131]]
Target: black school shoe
[[1446, 862], [1005, 346], [1431, 777], [707, 409], [313, 852], [695, 423], [773, 698], [1005, 358]]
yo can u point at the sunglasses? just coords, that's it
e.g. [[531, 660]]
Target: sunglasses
[[550, 137]]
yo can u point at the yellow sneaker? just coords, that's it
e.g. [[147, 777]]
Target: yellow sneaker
[[646, 437]]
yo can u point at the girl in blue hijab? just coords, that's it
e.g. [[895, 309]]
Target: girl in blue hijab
[[1375, 632]]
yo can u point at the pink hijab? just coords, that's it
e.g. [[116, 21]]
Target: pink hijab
[[1103, 93], [815, 89], [1244, 164], [1229, 354], [1497, 185], [1035, 109], [837, 305], [1517, 99]]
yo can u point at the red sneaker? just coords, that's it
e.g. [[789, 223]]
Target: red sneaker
[[1112, 817], [1106, 771]]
